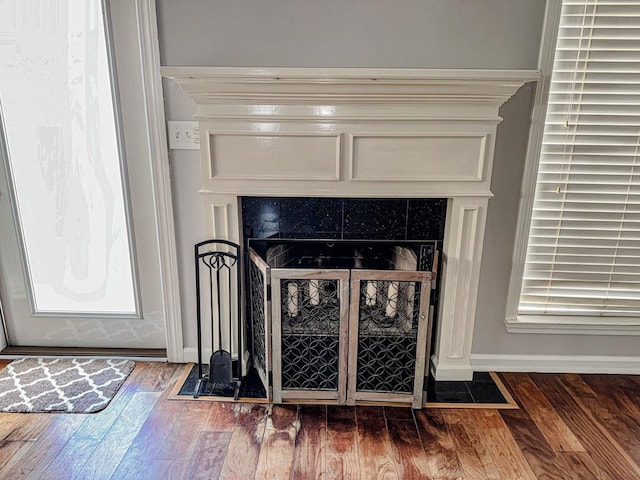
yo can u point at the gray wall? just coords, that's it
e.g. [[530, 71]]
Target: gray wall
[[373, 33], [351, 33]]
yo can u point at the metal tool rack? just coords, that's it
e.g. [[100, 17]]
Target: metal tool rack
[[221, 260]]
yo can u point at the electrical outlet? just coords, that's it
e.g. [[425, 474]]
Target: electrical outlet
[[183, 135]]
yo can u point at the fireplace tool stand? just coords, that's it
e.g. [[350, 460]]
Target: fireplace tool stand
[[220, 260]]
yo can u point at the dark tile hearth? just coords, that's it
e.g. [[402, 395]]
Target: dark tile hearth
[[251, 386], [449, 392], [481, 390]]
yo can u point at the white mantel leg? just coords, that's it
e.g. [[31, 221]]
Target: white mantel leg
[[463, 239], [223, 222], [223, 217]]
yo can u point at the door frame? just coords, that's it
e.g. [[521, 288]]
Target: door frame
[[159, 155], [149, 55]]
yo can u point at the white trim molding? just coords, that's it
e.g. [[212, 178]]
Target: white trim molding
[[318, 87], [547, 324], [190, 355], [530, 174], [574, 325], [3, 335], [158, 149], [629, 365], [462, 254], [392, 133]]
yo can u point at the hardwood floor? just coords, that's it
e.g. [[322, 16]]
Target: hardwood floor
[[567, 427]]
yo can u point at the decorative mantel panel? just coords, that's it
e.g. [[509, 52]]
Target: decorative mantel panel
[[360, 133]]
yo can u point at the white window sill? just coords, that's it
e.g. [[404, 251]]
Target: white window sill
[[573, 325]]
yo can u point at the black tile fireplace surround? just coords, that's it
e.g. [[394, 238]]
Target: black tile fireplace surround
[[344, 218], [267, 221]]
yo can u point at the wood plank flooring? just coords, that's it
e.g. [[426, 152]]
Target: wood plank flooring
[[567, 427]]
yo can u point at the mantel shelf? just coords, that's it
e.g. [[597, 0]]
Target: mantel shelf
[[352, 86]]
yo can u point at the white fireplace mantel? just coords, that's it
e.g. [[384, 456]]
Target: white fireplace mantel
[[360, 133]]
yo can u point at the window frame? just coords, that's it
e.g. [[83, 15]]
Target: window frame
[[556, 324]]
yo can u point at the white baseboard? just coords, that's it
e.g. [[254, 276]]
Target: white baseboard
[[450, 372], [482, 362], [190, 355], [105, 357], [556, 363]]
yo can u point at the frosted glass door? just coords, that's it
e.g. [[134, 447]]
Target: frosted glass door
[[66, 178], [65, 163]]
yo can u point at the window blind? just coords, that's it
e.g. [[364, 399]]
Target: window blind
[[583, 255]]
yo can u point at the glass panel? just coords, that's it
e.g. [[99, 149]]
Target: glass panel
[[57, 101]]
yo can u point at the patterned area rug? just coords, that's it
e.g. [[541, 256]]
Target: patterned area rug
[[36, 385]]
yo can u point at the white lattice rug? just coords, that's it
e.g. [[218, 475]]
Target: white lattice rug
[[77, 385]]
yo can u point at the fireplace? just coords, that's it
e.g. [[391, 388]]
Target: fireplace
[[349, 292], [390, 134], [348, 320]]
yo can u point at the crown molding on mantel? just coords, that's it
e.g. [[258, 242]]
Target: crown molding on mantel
[[347, 86]]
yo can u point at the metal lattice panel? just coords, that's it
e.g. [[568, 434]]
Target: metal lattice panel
[[387, 335], [310, 307], [310, 312], [258, 317], [310, 362], [386, 364]]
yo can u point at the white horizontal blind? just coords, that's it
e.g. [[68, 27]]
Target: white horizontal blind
[[583, 256]]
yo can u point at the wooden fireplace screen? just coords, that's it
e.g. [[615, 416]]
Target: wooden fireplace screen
[[341, 335]]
